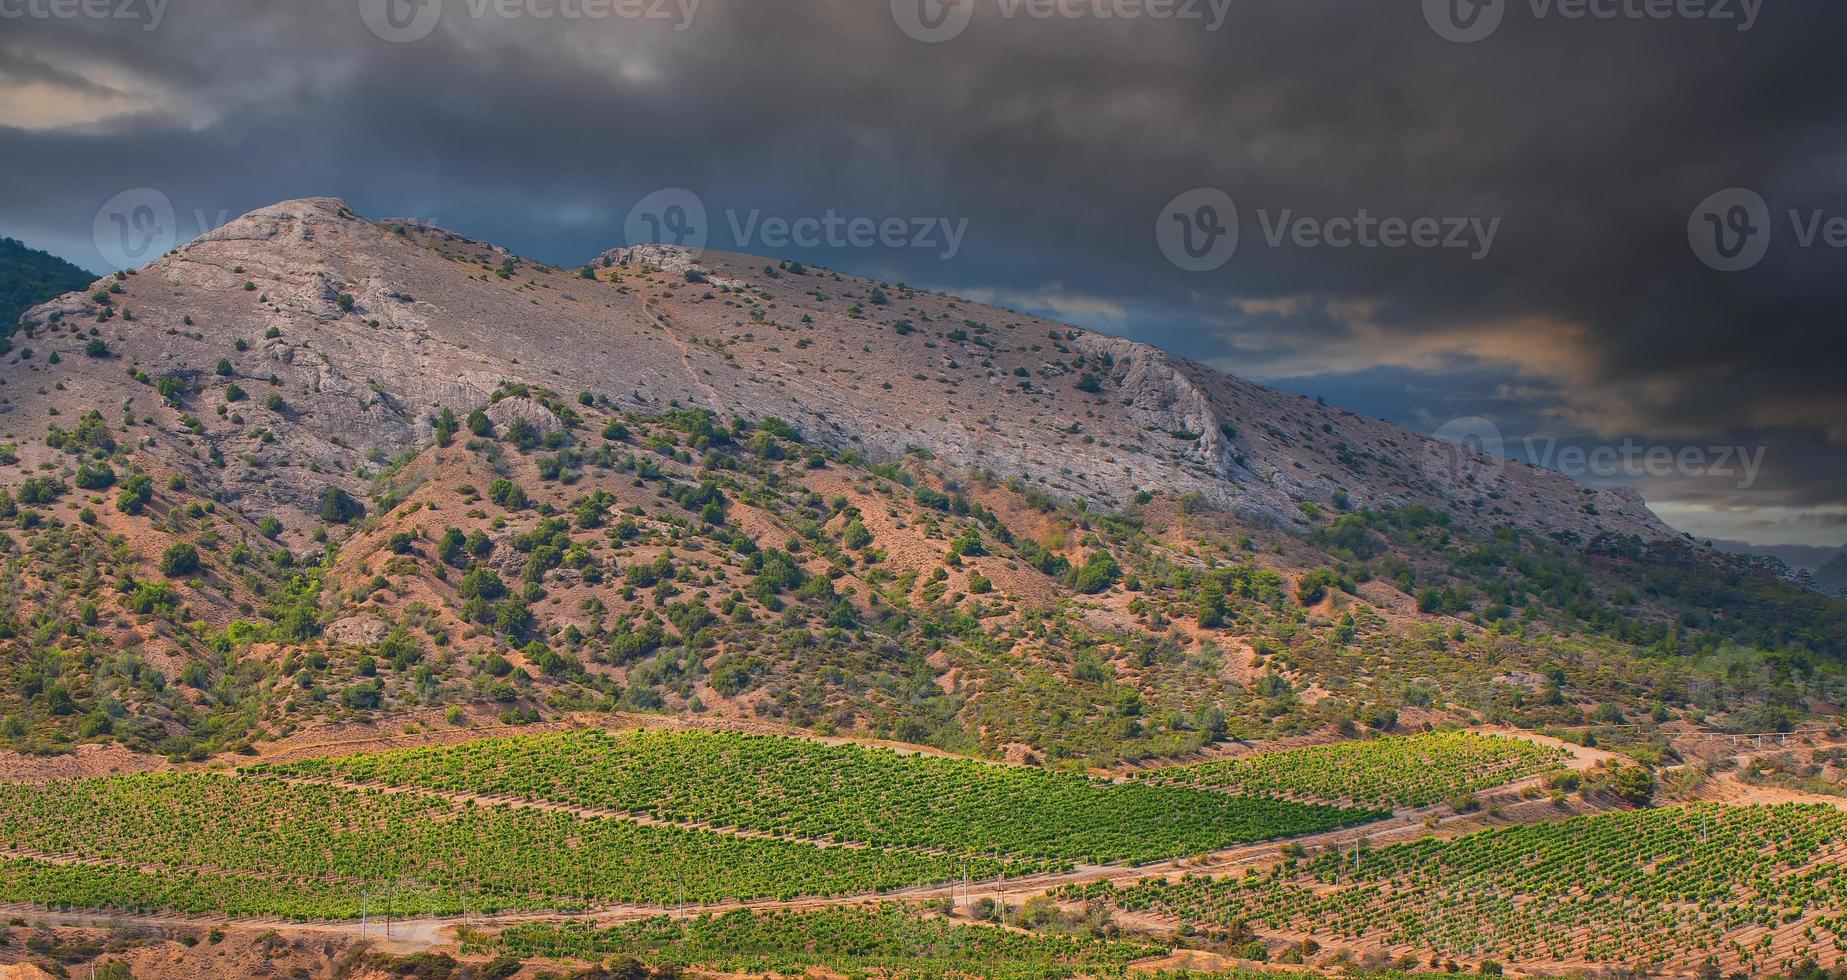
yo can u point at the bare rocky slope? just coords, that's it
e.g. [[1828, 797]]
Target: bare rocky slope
[[367, 329]]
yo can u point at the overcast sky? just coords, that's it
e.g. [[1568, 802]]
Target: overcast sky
[[1444, 211]]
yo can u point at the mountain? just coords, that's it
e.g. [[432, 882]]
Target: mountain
[[1797, 556], [312, 467], [431, 319], [29, 277], [1832, 574]]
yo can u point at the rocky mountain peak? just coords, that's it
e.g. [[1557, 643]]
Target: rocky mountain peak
[[363, 331]]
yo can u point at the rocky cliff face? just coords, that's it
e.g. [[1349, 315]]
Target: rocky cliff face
[[347, 336]]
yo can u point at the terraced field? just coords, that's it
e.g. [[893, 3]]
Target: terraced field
[[1667, 888], [851, 793], [1399, 770]]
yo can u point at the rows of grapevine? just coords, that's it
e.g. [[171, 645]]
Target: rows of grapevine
[[891, 939], [126, 888], [843, 792], [1397, 770], [316, 847], [1665, 887]]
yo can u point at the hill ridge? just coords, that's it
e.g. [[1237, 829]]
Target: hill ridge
[[1081, 415], [310, 466]]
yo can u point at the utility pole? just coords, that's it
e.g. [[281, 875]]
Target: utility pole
[[363, 894]]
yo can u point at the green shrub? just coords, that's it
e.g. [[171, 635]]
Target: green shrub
[[136, 491], [338, 507], [179, 560], [94, 476]]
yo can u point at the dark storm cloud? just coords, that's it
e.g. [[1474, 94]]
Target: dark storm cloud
[[1060, 140]]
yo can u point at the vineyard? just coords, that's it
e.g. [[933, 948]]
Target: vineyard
[[1666, 888], [210, 843], [892, 939], [1401, 771], [851, 793], [123, 887]]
